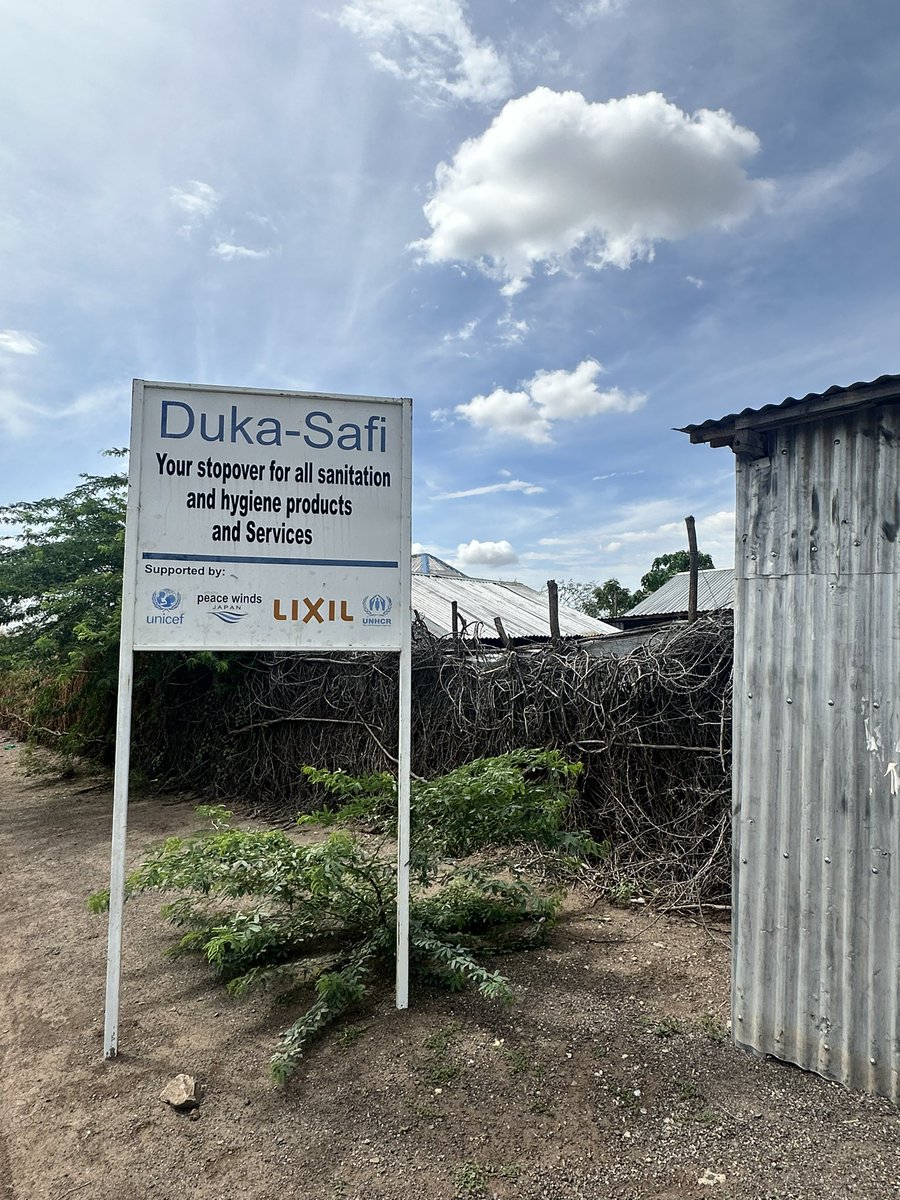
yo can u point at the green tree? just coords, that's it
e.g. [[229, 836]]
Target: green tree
[[60, 600], [60, 609], [667, 565], [611, 599], [61, 575], [575, 594]]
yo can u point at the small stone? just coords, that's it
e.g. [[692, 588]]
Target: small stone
[[710, 1178], [180, 1092]]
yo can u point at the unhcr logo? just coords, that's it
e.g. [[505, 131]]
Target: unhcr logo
[[376, 609]]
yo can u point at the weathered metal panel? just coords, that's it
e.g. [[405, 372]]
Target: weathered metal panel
[[817, 750]]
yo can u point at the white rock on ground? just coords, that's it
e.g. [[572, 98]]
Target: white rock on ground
[[181, 1092]]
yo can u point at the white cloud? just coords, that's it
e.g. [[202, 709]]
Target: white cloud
[[229, 251], [18, 417], [196, 202], [825, 188], [507, 412], [713, 531], [555, 174], [581, 12], [462, 335], [512, 332], [698, 283], [569, 395], [429, 43], [494, 554], [511, 485], [618, 474], [22, 418], [550, 396], [98, 400], [14, 341]]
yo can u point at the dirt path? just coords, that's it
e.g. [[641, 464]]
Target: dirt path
[[612, 1076]]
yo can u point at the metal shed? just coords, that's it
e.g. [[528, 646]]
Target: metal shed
[[816, 959], [715, 589]]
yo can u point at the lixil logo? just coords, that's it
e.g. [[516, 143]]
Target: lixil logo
[[320, 610]]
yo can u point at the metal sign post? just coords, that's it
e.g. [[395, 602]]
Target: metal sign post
[[262, 520]]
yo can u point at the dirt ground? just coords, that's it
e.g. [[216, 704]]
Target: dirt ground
[[612, 1076]]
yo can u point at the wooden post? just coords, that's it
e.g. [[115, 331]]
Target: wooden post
[[502, 634], [553, 594], [693, 568]]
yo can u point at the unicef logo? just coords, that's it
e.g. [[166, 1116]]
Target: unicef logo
[[377, 606], [166, 600]]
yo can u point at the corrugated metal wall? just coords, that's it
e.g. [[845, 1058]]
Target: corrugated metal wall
[[817, 750]]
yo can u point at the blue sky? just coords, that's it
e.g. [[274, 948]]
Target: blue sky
[[562, 226]]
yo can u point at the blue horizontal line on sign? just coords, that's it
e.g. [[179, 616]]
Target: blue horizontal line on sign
[[279, 562]]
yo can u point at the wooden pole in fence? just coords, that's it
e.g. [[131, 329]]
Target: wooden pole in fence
[[693, 568], [553, 595]]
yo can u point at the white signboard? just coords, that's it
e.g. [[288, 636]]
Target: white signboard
[[268, 520], [263, 520]]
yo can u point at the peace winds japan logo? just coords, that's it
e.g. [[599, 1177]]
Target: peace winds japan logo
[[377, 608]]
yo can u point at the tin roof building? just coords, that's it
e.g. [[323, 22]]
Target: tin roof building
[[715, 591], [523, 612]]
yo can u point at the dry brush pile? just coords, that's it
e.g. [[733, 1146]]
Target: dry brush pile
[[653, 729]]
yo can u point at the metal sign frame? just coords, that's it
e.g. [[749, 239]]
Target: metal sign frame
[[322, 563]]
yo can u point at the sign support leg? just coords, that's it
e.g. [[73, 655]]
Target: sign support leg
[[403, 820], [117, 859]]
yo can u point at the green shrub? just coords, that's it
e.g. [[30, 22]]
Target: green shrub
[[520, 797], [270, 912]]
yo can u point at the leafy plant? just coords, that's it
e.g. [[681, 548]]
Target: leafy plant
[[471, 1178], [520, 797], [667, 1027], [270, 912], [519, 1061], [712, 1027], [439, 1067]]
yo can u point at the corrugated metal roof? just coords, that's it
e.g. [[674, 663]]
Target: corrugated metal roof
[[430, 564], [523, 611], [885, 387], [715, 590]]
